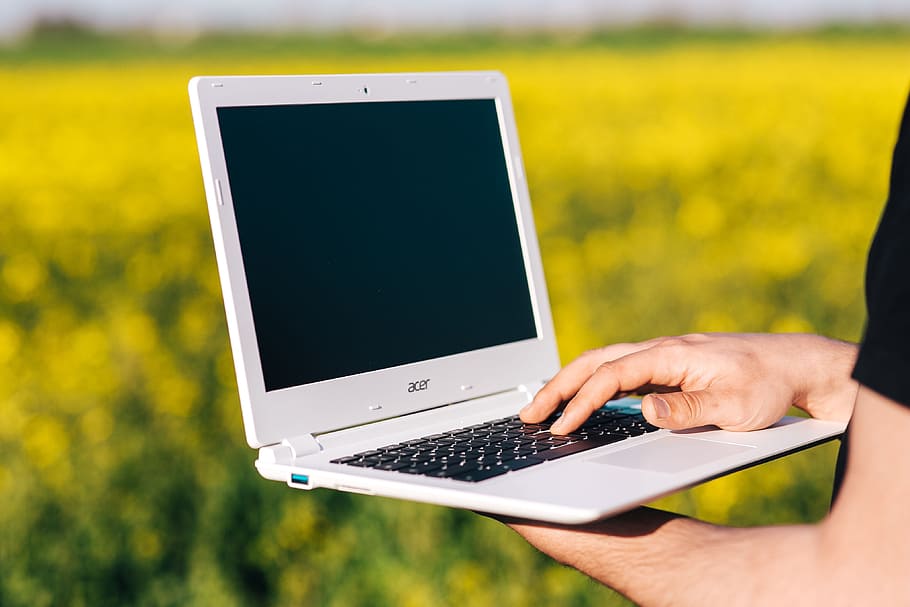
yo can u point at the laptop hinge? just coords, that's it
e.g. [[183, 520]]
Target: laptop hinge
[[289, 449]]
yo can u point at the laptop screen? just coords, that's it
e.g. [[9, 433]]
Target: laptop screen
[[374, 234]]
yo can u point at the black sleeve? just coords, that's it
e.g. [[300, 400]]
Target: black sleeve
[[884, 355]]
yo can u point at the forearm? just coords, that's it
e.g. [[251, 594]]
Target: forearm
[[656, 558]]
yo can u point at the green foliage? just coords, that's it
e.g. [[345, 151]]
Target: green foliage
[[711, 183]]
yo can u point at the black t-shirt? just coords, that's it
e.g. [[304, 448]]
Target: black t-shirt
[[883, 363]]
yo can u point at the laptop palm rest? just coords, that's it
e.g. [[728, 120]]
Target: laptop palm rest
[[671, 454]]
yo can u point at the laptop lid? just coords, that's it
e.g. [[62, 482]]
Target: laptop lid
[[375, 245]]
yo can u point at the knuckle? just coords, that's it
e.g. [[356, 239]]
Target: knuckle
[[606, 367], [696, 338], [593, 353], [672, 349], [672, 342], [750, 359]]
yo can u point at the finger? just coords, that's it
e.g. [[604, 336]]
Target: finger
[[570, 378], [561, 388], [662, 366], [678, 411], [725, 409]]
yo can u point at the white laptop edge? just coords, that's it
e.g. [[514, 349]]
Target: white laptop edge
[[577, 489], [270, 417]]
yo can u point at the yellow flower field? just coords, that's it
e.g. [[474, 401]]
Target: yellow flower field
[[696, 185]]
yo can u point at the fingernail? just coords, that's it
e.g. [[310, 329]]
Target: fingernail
[[557, 426], [661, 408]]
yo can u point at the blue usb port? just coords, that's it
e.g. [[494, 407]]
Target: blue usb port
[[300, 479]]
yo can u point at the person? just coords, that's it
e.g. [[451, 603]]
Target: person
[[860, 553]]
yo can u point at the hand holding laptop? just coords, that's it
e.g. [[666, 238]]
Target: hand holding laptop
[[656, 557], [735, 382]]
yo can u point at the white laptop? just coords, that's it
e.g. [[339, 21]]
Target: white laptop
[[387, 308]]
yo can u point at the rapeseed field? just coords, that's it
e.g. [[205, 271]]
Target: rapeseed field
[[690, 184]]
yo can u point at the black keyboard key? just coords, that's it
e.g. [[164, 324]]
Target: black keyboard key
[[369, 453], [480, 474], [451, 457], [506, 456], [593, 422], [555, 440], [425, 467], [532, 428], [455, 470], [361, 464], [394, 465], [345, 460], [441, 472], [585, 445], [410, 470], [524, 462]]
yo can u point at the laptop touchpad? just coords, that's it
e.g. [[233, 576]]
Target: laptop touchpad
[[671, 454]]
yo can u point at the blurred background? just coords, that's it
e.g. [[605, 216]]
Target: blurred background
[[694, 165]]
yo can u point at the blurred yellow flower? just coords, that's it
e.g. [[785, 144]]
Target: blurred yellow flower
[[146, 543], [10, 340], [23, 274], [45, 441], [700, 216], [791, 323], [97, 425]]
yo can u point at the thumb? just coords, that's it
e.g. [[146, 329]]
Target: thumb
[[678, 410]]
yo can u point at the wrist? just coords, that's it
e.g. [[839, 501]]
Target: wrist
[[826, 388]]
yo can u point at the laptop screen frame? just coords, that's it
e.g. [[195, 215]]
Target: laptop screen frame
[[328, 405]]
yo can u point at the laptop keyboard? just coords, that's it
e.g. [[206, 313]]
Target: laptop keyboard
[[494, 448]]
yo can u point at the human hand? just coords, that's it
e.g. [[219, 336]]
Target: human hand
[[613, 551], [733, 381]]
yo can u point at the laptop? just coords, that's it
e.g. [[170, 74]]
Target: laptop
[[387, 308]]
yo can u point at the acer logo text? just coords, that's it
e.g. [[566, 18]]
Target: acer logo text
[[418, 386]]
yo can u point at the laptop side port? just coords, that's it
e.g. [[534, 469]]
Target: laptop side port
[[300, 479]]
